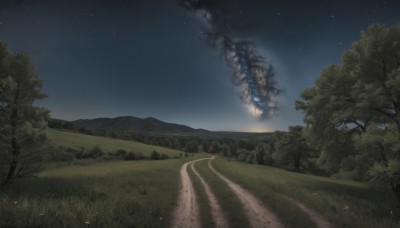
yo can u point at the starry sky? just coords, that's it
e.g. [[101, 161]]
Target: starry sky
[[108, 58]]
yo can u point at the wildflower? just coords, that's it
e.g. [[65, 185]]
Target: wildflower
[[87, 223], [15, 202], [346, 207], [41, 214]]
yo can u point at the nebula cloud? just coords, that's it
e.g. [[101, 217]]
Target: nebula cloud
[[253, 77]]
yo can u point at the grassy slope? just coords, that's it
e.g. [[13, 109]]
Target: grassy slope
[[107, 194], [77, 141], [344, 203]]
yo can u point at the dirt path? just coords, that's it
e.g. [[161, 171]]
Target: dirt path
[[218, 215], [187, 212], [316, 218], [257, 214]]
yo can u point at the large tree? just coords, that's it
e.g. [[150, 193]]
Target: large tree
[[22, 125], [291, 148], [353, 111]]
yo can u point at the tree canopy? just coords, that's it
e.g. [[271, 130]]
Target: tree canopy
[[22, 133], [353, 111]]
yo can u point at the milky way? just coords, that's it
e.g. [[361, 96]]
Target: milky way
[[253, 77]]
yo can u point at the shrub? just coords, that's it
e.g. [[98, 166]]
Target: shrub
[[63, 156], [93, 153], [155, 155], [164, 156], [130, 156]]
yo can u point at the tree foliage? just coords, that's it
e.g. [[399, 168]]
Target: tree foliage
[[22, 132], [292, 149], [353, 111]]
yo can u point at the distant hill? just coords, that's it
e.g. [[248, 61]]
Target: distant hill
[[135, 124]]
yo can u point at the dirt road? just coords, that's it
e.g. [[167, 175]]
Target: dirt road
[[187, 214], [218, 215]]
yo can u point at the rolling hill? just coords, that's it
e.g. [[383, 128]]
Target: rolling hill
[[76, 140]]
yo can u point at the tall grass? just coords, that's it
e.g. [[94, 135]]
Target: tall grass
[[112, 194], [343, 203]]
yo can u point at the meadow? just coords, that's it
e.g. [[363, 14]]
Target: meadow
[[78, 141], [106, 194], [344, 203]]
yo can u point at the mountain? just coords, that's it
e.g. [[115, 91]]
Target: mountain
[[135, 124]]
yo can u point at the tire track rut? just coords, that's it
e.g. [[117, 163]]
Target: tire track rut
[[218, 215]]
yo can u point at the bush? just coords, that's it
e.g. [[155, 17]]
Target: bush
[[130, 156], [155, 155], [164, 156], [63, 156], [120, 153], [93, 153]]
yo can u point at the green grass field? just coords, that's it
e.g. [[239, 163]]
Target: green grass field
[[106, 194], [343, 203], [77, 141]]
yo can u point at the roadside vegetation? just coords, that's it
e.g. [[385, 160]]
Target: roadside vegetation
[[106, 194], [344, 203]]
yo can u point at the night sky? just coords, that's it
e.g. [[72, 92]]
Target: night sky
[[108, 58]]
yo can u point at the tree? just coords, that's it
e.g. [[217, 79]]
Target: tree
[[352, 104], [260, 153], [205, 145], [214, 147], [191, 147], [292, 147], [22, 134]]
